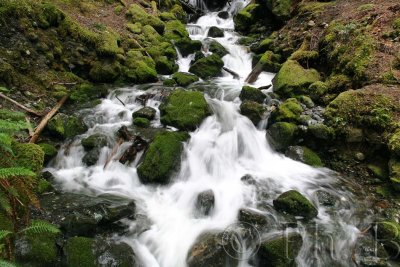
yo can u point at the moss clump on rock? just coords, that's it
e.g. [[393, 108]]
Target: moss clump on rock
[[304, 154], [175, 30], [321, 131], [252, 110], [188, 46], [139, 68], [217, 48], [246, 17], [281, 8], [207, 67], [282, 134], [270, 62], [394, 172], [141, 122], [389, 233], [184, 110], [64, 126], [162, 157], [95, 140], [50, 151], [145, 112], [394, 143], [288, 111], [105, 71], [184, 79], [137, 14], [251, 94], [30, 156], [280, 251], [292, 79], [294, 203], [79, 252]]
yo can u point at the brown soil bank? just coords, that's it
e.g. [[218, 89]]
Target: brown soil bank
[[343, 56]]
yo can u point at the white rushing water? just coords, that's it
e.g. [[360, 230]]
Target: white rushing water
[[226, 147]]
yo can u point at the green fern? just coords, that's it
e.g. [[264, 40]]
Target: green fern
[[5, 143], [10, 127], [41, 227], [6, 114], [4, 234], [5, 203], [6, 173], [6, 264]]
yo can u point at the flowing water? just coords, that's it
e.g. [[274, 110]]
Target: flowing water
[[220, 152]]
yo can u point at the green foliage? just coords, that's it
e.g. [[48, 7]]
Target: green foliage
[[141, 122], [79, 251], [6, 173], [40, 227], [6, 264]]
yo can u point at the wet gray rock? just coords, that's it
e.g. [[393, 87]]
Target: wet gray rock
[[253, 218], [205, 202], [223, 14], [215, 32], [92, 156], [211, 249], [325, 198], [370, 253], [146, 112], [248, 179], [95, 140], [215, 4]]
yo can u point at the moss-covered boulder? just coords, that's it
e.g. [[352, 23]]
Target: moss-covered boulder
[[211, 249], [217, 48], [37, 250], [165, 66], [64, 126], [280, 251], [188, 46], [139, 68], [246, 17], [294, 203], [207, 67], [321, 131], [251, 94], [292, 79], [282, 134], [162, 158], [175, 30], [184, 110], [93, 141], [30, 156], [145, 112], [184, 79], [388, 232], [141, 122], [269, 62], [252, 110], [281, 8], [215, 32], [288, 111], [50, 151], [106, 72], [137, 14], [303, 154]]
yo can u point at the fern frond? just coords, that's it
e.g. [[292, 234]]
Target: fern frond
[[4, 234], [6, 114], [5, 203], [6, 173], [41, 227], [5, 143], [25, 191], [6, 264], [7, 126]]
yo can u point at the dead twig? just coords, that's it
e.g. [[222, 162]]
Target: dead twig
[[20, 105]]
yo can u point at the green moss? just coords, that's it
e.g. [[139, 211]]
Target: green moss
[[269, 62], [64, 126], [139, 68], [169, 83], [107, 44], [85, 92], [207, 67], [184, 110], [251, 94], [137, 14], [118, 9], [280, 251], [313, 8], [292, 79], [294, 203], [366, 7], [265, 45], [146, 112], [288, 111], [282, 134], [93, 141], [217, 48], [378, 171], [187, 46], [134, 27], [30, 156], [165, 66], [394, 143], [281, 8], [141, 122], [396, 24], [105, 71], [79, 251], [167, 16], [246, 17], [49, 150], [305, 155], [175, 30], [184, 79], [162, 157], [388, 232], [179, 13], [252, 110], [321, 131]]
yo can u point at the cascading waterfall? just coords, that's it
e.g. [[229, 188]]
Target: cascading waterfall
[[226, 147]]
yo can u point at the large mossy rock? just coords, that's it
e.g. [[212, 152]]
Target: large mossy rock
[[292, 79], [210, 249], [145, 112], [90, 252], [280, 251], [215, 32], [94, 140], [288, 111], [247, 17], [184, 79], [251, 94], [269, 62], [304, 154], [50, 151], [64, 126], [388, 232], [30, 156], [137, 14], [282, 134], [280, 8], [188, 46], [184, 110], [217, 48], [252, 110], [139, 68], [294, 203], [207, 67], [162, 158], [106, 72]]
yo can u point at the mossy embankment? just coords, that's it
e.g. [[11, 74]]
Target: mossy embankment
[[338, 83]]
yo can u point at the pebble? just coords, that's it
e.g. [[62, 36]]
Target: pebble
[[360, 156], [311, 23]]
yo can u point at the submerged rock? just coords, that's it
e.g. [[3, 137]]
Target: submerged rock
[[207, 67], [325, 198], [162, 158], [184, 110], [303, 154], [223, 14], [205, 202], [294, 203], [92, 156], [211, 249], [280, 251]]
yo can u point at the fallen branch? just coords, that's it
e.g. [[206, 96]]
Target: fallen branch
[[113, 152], [20, 105], [254, 74], [46, 119], [124, 135], [120, 100], [234, 74]]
